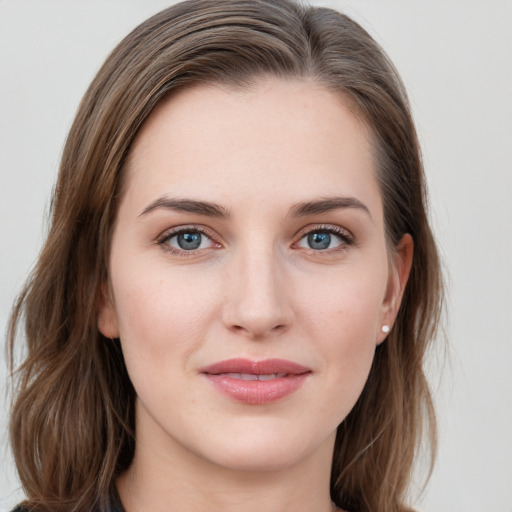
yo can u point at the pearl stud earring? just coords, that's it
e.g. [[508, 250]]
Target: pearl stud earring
[[385, 329]]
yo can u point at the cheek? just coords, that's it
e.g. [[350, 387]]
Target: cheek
[[347, 306], [344, 320], [161, 319]]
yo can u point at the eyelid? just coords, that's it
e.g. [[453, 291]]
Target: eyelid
[[346, 237], [185, 228], [330, 228]]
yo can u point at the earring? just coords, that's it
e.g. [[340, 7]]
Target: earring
[[385, 329]]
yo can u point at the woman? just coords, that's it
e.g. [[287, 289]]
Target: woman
[[234, 301]]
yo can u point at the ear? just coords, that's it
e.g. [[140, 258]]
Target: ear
[[107, 318], [400, 268]]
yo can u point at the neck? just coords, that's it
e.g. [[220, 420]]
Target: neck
[[175, 479]]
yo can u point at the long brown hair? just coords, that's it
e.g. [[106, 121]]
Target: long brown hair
[[72, 424]]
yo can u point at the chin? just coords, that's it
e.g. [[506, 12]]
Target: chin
[[258, 461], [265, 451]]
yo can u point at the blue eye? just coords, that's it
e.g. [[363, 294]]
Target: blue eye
[[187, 240], [319, 240], [328, 238]]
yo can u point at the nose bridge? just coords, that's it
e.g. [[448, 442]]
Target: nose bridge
[[256, 304]]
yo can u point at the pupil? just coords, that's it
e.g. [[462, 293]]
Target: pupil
[[189, 241], [319, 241]]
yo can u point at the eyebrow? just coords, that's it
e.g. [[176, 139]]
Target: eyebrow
[[328, 204], [188, 206], [209, 209]]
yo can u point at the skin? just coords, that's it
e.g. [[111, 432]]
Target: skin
[[254, 289]]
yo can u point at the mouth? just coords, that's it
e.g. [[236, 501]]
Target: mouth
[[250, 376], [256, 382]]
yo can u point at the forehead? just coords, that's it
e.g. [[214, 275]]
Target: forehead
[[279, 139]]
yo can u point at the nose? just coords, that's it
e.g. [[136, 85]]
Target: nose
[[257, 303]]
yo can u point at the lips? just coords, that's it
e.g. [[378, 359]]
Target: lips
[[250, 376], [256, 382]]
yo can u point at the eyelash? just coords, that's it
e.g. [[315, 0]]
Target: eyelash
[[346, 238], [163, 240]]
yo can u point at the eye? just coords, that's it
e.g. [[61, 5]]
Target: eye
[[325, 239], [319, 240], [186, 240]]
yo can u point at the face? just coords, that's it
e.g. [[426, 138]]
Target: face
[[249, 273]]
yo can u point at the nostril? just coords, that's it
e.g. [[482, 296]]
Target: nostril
[[258, 332]]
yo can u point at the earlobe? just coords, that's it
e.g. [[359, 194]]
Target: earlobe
[[400, 269], [107, 318]]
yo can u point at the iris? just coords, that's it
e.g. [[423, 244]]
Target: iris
[[319, 240], [189, 241]]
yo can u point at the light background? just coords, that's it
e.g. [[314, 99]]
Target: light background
[[456, 60]]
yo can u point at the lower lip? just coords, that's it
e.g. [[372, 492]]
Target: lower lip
[[257, 392]]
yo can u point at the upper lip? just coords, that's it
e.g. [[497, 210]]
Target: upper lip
[[264, 367]]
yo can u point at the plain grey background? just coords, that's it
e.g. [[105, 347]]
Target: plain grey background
[[456, 60]]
